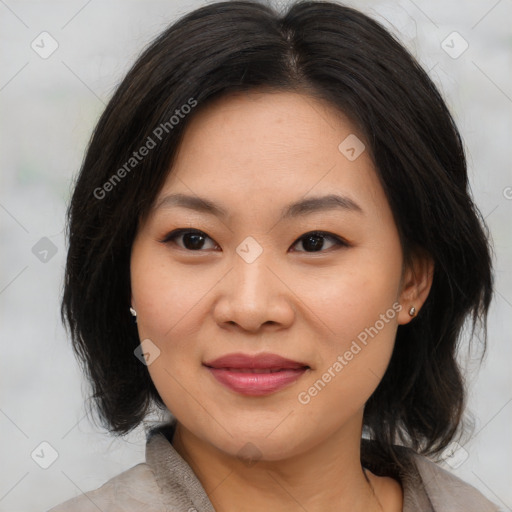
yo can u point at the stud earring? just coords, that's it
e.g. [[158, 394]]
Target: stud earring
[[133, 312], [412, 311]]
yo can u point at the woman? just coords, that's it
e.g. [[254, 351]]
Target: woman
[[272, 238]]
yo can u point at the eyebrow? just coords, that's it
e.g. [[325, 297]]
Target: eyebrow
[[297, 209]]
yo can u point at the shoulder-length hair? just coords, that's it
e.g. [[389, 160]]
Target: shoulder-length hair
[[330, 52]]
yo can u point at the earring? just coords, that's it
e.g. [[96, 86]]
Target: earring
[[412, 311], [133, 312]]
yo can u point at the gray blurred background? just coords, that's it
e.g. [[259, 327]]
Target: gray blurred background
[[60, 63]]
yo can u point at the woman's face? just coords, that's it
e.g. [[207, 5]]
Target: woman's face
[[251, 282]]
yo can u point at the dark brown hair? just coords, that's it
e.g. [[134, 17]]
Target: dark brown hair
[[344, 57]]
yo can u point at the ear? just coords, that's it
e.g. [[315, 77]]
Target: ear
[[416, 283]]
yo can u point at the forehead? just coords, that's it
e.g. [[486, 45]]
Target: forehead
[[271, 147], [270, 119]]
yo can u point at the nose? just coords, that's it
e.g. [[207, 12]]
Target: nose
[[254, 295]]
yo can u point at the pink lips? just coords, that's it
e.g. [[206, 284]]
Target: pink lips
[[257, 375]]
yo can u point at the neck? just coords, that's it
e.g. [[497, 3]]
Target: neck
[[325, 478]]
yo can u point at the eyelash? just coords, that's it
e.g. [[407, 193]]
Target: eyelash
[[170, 237]]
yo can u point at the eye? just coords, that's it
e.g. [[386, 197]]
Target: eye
[[192, 239], [314, 241]]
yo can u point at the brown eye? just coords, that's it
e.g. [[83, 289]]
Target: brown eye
[[315, 241], [191, 239]]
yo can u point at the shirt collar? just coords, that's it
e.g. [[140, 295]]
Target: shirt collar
[[181, 489]]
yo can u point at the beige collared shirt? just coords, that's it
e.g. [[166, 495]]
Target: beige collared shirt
[[166, 483]]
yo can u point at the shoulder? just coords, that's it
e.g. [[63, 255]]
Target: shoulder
[[163, 482], [135, 489], [445, 491], [426, 486]]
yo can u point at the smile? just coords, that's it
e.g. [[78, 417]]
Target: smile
[[256, 381]]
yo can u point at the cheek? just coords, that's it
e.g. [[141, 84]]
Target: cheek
[[353, 297], [166, 295], [167, 299], [352, 361], [358, 309]]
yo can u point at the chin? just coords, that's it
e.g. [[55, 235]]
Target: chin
[[259, 448], [264, 443]]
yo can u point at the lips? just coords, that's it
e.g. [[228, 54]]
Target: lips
[[256, 375], [267, 362]]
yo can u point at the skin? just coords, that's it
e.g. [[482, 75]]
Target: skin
[[253, 154]]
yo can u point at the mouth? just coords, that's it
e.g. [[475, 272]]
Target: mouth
[[263, 361], [257, 375], [255, 370]]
